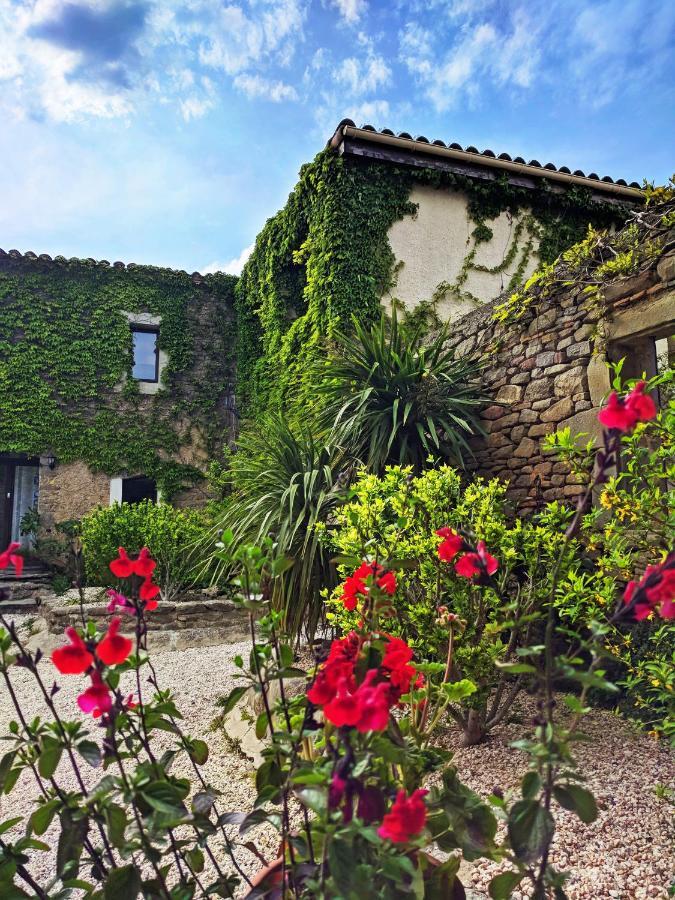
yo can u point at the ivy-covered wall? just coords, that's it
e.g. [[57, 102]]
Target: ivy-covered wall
[[66, 347], [326, 256]]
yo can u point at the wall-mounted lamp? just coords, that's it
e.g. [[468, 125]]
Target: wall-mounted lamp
[[51, 461]]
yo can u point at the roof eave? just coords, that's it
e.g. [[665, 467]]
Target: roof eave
[[349, 139]]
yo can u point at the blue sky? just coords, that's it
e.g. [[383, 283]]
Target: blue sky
[[167, 132]]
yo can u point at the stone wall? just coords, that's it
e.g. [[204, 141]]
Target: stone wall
[[546, 372], [69, 491]]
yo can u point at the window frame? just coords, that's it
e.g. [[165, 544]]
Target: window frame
[[146, 329]]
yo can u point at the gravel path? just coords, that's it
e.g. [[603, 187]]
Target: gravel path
[[627, 853]]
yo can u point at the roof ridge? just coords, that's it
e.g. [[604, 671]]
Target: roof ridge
[[338, 136], [60, 260]]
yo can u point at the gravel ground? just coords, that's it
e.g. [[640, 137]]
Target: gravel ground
[[627, 853]]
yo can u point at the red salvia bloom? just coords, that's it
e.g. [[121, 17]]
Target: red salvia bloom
[[9, 556], [74, 658], [478, 563], [451, 544], [355, 585], [340, 664], [114, 648], [122, 567], [366, 708], [624, 414], [406, 818], [97, 698], [119, 600], [655, 592], [145, 564], [149, 591], [396, 663]]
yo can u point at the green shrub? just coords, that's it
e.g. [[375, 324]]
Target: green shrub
[[170, 534], [394, 518]]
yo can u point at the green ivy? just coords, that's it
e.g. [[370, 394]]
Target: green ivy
[[326, 257], [65, 349]]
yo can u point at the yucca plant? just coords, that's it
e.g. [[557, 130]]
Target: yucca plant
[[395, 399], [285, 483]]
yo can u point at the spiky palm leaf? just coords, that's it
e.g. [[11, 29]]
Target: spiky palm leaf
[[395, 399], [285, 484]]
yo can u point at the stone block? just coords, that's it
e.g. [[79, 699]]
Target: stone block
[[542, 322], [541, 429], [509, 393], [665, 268], [526, 448], [633, 285], [537, 390], [583, 348], [517, 433], [583, 332], [568, 383], [560, 410], [529, 415], [492, 412], [546, 359]]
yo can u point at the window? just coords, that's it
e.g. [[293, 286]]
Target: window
[[134, 490], [146, 354]]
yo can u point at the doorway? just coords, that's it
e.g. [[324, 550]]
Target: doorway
[[19, 491]]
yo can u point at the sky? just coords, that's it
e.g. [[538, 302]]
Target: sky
[[167, 132]]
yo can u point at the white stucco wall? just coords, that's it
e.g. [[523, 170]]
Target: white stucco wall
[[433, 244]]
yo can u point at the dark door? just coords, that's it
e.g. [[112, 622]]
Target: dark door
[[6, 501]]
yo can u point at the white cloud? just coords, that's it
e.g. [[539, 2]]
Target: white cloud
[[350, 10], [233, 267], [256, 87], [363, 76]]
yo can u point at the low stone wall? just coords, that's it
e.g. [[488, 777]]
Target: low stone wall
[[173, 626]]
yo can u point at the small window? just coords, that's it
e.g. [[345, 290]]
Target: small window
[[134, 490], [146, 354]]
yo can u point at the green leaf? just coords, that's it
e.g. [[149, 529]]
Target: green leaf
[[314, 798], [516, 668], [71, 840], [116, 820], [458, 690], [123, 882], [41, 819], [204, 800], [531, 785], [5, 766], [228, 703], [502, 886], [199, 751], [90, 752], [49, 758], [577, 799], [261, 725], [163, 797], [10, 823], [530, 828], [195, 858]]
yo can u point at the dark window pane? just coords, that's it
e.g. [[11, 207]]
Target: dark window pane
[[140, 488], [145, 355]]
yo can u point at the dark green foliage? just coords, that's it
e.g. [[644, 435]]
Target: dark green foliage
[[65, 346], [396, 400], [170, 534], [286, 483], [325, 258]]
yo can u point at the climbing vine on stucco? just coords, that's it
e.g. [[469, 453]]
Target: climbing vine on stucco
[[326, 257], [66, 358]]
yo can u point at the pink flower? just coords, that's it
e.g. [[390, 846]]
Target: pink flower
[[97, 698], [451, 544], [117, 599], [406, 818], [478, 563], [113, 649], [9, 556], [74, 658], [624, 414]]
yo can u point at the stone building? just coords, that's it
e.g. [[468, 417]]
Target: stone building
[[548, 348], [440, 253], [116, 384]]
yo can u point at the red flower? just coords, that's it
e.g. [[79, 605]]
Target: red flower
[[406, 818], [355, 585], [624, 414], [366, 709], [340, 664], [336, 792], [396, 659], [144, 565], [654, 592], [451, 544], [149, 591], [74, 658], [480, 562], [122, 567], [114, 648], [9, 556], [97, 698], [371, 805]]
